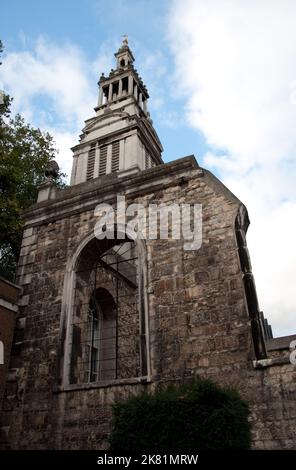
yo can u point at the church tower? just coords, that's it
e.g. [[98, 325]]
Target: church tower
[[104, 319], [121, 137]]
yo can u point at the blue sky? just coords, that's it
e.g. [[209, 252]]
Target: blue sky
[[89, 24], [222, 82]]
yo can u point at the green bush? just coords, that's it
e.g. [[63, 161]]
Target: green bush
[[194, 416]]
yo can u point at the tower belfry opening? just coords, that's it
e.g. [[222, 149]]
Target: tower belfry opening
[[121, 116]]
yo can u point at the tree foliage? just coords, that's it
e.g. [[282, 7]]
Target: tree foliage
[[195, 416], [24, 155]]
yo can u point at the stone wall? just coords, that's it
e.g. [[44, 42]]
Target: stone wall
[[197, 309]]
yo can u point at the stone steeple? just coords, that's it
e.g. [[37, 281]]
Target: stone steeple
[[121, 137]]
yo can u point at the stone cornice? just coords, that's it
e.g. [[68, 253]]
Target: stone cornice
[[85, 196], [111, 136], [135, 123]]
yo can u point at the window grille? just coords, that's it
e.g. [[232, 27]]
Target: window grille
[[106, 333]]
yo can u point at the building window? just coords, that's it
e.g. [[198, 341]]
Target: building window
[[103, 160], [108, 327], [115, 157], [101, 337], [91, 162]]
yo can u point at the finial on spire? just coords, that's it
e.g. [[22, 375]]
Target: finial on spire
[[124, 55]]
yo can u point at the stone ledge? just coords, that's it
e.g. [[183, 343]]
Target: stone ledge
[[264, 363], [61, 209], [110, 383], [106, 183]]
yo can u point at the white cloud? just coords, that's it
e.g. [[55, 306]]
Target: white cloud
[[64, 141], [54, 88], [105, 58], [56, 72], [236, 70]]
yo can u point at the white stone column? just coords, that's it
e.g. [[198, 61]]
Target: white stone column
[[121, 154], [109, 158], [136, 92], [110, 92], [145, 106], [130, 85], [74, 169], [120, 88], [100, 100], [132, 151], [141, 100], [142, 156], [97, 160]]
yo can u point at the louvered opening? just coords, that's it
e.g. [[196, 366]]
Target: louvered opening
[[115, 157], [103, 160], [91, 162], [147, 160]]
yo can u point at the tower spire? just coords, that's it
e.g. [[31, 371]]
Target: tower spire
[[124, 55], [121, 136], [125, 40]]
